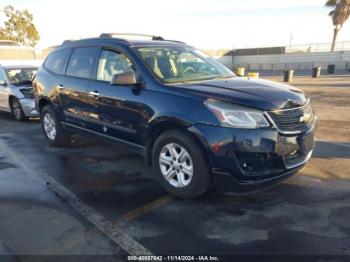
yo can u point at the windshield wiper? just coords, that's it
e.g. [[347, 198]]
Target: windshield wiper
[[222, 77], [187, 82]]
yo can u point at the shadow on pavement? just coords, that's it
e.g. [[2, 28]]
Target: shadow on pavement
[[328, 150]]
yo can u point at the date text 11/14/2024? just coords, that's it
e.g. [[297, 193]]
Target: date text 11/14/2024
[[173, 258]]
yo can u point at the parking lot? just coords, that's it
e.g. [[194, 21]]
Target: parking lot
[[94, 198]]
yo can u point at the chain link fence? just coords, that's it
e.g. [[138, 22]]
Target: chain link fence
[[319, 47]]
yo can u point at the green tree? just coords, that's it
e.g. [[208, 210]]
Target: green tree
[[339, 14], [19, 26]]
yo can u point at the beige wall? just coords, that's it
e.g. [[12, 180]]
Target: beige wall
[[23, 53], [17, 53], [44, 53]]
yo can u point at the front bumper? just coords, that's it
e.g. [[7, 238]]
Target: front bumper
[[28, 106], [252, 159]]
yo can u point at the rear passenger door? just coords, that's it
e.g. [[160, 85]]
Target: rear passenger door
[[74, 86]]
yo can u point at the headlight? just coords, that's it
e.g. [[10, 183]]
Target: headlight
[[235, 116], [27, 93]]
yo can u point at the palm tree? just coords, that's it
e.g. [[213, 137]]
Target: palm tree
[[339, 14]]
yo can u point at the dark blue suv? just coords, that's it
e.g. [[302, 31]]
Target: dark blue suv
[[187, 114]]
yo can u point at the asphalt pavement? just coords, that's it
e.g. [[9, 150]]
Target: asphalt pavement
[[92, 198]]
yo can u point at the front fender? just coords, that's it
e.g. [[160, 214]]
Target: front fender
[[169, 117], [174, 121], [155, 124]]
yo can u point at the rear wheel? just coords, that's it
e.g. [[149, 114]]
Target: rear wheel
[[52, 128], [17, 110], [180, 165]]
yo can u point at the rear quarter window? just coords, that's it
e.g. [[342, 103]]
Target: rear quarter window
[[81, 63], [56, 61], [2, 76]]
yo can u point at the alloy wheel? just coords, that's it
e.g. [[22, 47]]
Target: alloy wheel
[[49, 126], [176, 165], [16, 109]]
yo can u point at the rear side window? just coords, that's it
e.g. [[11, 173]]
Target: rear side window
[[2, 76], [81, 62], [57, 61]]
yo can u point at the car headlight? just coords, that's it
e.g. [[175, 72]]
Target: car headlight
[[27, 93], [235, 116]]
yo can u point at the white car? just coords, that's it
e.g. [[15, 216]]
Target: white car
[[16, 92]]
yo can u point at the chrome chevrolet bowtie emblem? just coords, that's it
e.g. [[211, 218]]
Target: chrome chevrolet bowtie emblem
[[305, 118]]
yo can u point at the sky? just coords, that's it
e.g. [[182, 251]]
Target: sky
[[206, 24]]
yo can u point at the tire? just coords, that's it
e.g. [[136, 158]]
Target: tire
[[17, 110], [53, 131], [188, 157]]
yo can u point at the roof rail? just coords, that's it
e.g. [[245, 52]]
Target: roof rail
[[66, 42], [176, 41], [120, 35]]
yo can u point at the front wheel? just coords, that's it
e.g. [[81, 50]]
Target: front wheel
[[180, 165], [17, 110], [53, 131]]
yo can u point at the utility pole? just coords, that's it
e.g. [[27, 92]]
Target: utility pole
[[233, 54]]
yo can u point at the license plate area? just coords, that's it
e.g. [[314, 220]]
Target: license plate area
[[306, 143], [297, 148]]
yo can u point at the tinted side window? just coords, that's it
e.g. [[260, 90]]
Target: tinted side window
[[57, 61], [112, 63], [2, 76], [81, 62]]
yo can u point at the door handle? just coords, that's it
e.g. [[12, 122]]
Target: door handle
[[60, 87], [94, 94]]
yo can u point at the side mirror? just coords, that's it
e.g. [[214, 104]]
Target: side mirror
[[3, 83], [125, 79]]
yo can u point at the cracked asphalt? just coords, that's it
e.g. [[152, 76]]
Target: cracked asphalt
[[45, 192]]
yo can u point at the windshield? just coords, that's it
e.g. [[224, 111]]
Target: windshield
[[181, 65], [21, 75]]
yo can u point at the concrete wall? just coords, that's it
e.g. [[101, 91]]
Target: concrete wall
[[305, 61], [20, 53], [21, 62], [43, 53], [16, 53]]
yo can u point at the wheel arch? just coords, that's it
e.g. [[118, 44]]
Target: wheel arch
[[163, 124], [42, 103], [11, 97]]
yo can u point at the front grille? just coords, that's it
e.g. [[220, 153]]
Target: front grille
[[295, 119]]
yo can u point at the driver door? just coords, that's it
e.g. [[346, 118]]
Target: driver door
[[116, 111]]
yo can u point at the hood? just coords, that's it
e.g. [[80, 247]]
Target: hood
[[251, 92], [23, 88], [24, 85]]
